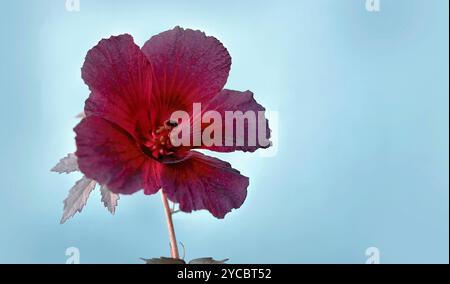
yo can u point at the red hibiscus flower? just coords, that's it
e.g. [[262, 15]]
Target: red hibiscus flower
[[123, 142]]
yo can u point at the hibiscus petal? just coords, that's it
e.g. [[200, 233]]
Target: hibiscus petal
[[203, 182], [120, 79], [109, 155], [255, 132], [151, 178], [188, 67]]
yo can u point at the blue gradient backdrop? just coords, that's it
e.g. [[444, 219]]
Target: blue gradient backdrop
[[363, 132]]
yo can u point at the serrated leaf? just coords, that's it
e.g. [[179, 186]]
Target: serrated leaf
[[164, 260], [207, 260], [78, 196], [66, 165], [109, 199], [81, 115]]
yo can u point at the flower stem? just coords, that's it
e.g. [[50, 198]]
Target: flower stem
[[172, 237]]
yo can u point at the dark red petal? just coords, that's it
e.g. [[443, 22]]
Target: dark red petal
[[188, 67], [109, 155], [203, 182], [229, 100], [151, 177], [120, 79]]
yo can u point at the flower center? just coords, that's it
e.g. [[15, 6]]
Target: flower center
[[159, 145]]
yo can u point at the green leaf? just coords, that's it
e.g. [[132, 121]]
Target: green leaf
[[207, 260], [164, 260]]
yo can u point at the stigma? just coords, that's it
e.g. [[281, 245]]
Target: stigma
[[158, 146]]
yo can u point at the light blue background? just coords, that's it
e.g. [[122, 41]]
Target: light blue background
[[363, 132]]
